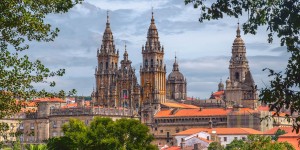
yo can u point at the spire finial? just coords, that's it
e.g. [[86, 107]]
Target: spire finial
[[125, 46], [238, 32], [107, 16], [175, 57]]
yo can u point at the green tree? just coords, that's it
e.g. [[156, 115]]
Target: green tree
[[215, 146], [259, 142], [16, 145], [104, 133], [277, 134], [282, 20], [235, 145], [36, 147], [22, 22]]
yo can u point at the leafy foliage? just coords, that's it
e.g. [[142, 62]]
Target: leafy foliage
[[215, 146], [282, 20], [277, 134], [22, 22], [36, 147], [258, 142], [122, 134]]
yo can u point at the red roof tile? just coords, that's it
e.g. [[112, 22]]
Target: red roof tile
[[193, 112], [221, 131], [46, 99]]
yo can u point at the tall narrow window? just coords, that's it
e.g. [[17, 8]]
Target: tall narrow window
[[151, 63], [237, 76], [146, 63], [106, 65]]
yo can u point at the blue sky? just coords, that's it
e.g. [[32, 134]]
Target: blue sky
[[203, 49]]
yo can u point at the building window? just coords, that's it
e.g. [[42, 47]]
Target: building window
[[207, 137], [86, 122], [146, 63], [54, 134], [155, 129], [31, 126], [225, 139], [235, 138], [244, 138], [21, 127], [237, 76], [54, 124], [161, 131], [151, 63], [106, 65]]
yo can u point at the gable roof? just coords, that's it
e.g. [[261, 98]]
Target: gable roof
[[221, 131], [193, 112]]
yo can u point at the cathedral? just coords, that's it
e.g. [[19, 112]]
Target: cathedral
[[240, 87], [117, 86]]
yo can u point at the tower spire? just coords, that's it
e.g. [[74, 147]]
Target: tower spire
[[107, 16], [238, 32]]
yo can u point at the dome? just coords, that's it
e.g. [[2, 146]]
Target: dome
[[176, 75]]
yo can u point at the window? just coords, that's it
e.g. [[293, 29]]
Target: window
[[86, 122], [106, 65], [54, 134], [21, 126], [146, 63], [207, 137], [237, 76], [168, 134], [244, 138], [31, 126], [225, 139], [54, 124], [235, 138], [155, 129], [161, 131], [151, 63]]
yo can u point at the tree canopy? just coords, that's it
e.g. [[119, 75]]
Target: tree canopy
[[259, 142], [22, 22], [104, 133], [282, 20]]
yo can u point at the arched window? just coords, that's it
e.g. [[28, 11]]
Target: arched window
[[101, 65], [237, 76], [151, 63], [146, 63]]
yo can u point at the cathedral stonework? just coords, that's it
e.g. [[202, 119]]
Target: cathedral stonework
[[240, 87], [115, 87], [153, 75], [176, 84]]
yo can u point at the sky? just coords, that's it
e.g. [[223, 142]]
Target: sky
[[203, 50]]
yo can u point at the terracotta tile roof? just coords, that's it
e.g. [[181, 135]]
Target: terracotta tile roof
[[172, 148], [221, 131], [72, 105], [193, 112], [263, 108], [46, 99], [179, 105], [274, 130], [218, 94], [243, 111], [292, 140]]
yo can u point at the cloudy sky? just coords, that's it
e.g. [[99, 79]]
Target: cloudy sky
[[203, 49]]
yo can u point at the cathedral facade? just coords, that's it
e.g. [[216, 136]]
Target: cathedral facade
[[240, 87], [117, 86]]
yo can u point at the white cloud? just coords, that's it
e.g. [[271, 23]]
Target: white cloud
[[203, 49]]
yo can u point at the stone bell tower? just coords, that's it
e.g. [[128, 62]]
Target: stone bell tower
[[240, 86], [105, 73], [153, 74]]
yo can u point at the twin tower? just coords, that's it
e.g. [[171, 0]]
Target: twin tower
[[118, 86]]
